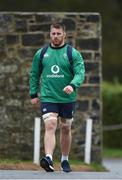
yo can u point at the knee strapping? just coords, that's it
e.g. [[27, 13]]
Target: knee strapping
[[67, 121], [49, 116]]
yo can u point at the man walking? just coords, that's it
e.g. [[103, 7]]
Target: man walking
[[60, 69]]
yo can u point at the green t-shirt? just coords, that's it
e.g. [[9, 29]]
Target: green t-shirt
[[56, 74]]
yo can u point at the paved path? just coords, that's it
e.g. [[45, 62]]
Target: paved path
[[57, 175], [112, 165]]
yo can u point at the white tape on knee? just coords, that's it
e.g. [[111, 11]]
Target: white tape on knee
[[67, 121], [49, 116]]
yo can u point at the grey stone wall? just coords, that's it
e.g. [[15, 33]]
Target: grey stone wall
[[21, 34]]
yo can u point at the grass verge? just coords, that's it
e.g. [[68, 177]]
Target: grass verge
[[112, 153], [11, 164]]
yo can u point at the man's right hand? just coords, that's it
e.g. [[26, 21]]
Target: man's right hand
[[35, 101]]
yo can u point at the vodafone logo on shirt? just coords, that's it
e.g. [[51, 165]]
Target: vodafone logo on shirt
[[55, 69]]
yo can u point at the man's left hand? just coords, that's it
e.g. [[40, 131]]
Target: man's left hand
[[68, 89]]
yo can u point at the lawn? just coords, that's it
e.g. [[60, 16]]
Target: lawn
[[112, 153], [10, 164]]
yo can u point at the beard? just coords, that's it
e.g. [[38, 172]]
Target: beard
[[56, 42]]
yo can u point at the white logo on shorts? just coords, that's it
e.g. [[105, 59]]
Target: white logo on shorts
[[44, 109]]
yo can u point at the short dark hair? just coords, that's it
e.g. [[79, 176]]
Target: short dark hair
[[58, 26]]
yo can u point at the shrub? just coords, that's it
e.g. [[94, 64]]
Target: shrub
[[112, 113]]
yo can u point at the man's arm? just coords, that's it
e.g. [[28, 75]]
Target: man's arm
[[78, 69], [35, 78]]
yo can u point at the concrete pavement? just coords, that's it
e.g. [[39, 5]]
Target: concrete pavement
[[113, 165], [7, 174]]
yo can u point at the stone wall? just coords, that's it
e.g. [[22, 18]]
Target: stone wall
[[21, 34]]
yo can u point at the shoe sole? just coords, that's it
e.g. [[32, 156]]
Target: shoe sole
[[66, 170], [46, 166]]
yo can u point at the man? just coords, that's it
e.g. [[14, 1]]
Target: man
[[57, 93]]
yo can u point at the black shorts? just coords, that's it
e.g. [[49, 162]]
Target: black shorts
[[64, 110]]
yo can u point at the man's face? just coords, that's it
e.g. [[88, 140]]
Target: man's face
[[57, 37]]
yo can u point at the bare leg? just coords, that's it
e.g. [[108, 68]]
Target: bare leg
[[49, 136], [65, 137], [50, 121]]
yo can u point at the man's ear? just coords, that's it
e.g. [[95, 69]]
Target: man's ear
[[50, 34], [65, 35]]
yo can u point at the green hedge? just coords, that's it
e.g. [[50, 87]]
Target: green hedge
[[112, 114]]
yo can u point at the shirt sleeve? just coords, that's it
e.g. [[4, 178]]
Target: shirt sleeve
[[34, 76], [78, 69]]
